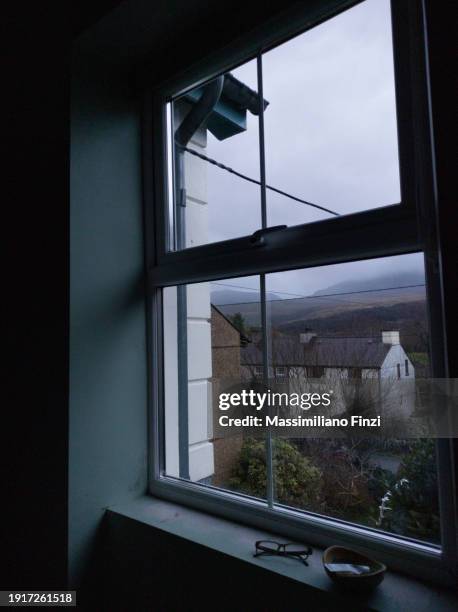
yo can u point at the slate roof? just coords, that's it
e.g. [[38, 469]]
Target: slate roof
[[320, 351]]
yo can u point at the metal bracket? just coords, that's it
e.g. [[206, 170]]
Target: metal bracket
[[257, 238]]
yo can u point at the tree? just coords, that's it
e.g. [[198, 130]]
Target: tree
[[297, 480], [411, 506], [238, 322]]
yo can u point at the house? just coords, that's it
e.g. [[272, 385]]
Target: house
[[339, 363], [313, 356]]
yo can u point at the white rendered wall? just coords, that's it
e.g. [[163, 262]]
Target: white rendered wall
[[397, 394], [169, 298], [389, 367], [201, 460]]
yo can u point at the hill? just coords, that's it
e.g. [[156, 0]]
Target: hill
[[352, 307]]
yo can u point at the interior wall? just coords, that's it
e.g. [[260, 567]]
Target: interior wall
[[108, 386], [155, 570]]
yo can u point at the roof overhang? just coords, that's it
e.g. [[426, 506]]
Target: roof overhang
[[229, 117]]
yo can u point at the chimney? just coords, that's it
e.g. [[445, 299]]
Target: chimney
[[307, 336], [390, 337]]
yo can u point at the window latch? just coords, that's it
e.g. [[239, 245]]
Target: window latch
[[257, 238]]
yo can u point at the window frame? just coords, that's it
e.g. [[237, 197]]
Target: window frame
[[402, 228]]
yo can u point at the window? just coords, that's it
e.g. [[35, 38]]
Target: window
[[398, 369], [355, 372], [287, 193], [217, 165], [406, 367], [315, 371]]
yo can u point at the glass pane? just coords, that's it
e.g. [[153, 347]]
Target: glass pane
[[330, 125], [347, 329], [216, 199], [357, 332], [205, 334]]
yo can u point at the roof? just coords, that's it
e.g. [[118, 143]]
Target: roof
[[241, 95], [229, 115], [321, 351]]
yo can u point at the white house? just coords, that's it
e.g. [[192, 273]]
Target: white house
[[324, 356], [339, 362]]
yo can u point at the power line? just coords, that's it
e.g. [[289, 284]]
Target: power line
[[252, 289], [256, 182], [328, 295], [366, 291], [298, 295]]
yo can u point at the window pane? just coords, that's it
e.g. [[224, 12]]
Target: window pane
[[330, 125], [345, 327], [330, 134], [203, 347], [348, 327], [219, 204]]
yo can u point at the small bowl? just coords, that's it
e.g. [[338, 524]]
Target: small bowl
[[368, 579]]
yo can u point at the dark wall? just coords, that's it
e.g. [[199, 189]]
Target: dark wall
[[154, 570], [442, 50], [36, 235], [35, 229]]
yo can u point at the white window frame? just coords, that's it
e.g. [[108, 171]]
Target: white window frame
[[391, 230]]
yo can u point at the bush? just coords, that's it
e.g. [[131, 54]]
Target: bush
[[413, 505], [297, 481], [346, 478]]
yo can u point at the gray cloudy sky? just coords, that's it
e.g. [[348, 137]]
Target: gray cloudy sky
[[331, 139]]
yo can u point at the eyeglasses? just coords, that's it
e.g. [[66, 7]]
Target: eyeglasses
[[295, 551]]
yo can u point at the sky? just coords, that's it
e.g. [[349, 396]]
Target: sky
[[397, 271], [330, 133]]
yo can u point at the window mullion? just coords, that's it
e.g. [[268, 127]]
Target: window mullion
[[262, 156], [182, 311], [265, 330], [267, 360]]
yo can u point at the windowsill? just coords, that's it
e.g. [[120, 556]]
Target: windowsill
[[397, 592]]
